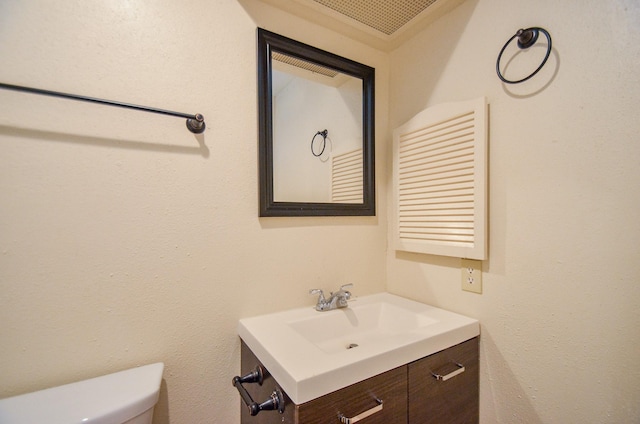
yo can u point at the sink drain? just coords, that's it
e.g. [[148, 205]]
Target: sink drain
[[352, 345]]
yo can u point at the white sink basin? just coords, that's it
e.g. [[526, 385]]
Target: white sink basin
[[312, 353], [363, 325]]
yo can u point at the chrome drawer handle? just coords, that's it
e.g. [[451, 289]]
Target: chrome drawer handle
[[365, 414], [452, 374]]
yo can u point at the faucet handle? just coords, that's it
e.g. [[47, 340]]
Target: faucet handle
[[345, 293], [317, 291], [321, 304]]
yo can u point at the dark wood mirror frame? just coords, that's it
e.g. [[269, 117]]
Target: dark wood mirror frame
[[268, 42]]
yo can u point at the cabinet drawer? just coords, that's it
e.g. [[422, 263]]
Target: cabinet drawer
[[390, 387], [453, 400]]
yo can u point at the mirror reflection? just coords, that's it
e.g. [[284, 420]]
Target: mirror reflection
[[316, 131]]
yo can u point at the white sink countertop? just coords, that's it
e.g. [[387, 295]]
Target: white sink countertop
[[312, 353]]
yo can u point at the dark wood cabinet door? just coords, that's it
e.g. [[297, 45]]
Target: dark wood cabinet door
[[452, 401]]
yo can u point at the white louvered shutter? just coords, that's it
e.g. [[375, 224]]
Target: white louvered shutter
[[347, 178], [440, 181]]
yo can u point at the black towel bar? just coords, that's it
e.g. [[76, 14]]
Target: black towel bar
[[195, 123]]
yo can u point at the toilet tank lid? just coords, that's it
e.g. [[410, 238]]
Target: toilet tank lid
[[109, 399]]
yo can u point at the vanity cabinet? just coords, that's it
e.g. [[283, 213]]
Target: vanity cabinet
[[431, 390], [453, 400]]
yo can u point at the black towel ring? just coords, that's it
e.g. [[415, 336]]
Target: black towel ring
[[324, 142], [526, 38]]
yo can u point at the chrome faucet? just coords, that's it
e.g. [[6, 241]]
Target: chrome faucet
[[336, 300]]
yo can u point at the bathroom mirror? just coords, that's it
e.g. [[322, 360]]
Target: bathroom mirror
[[316, 131]]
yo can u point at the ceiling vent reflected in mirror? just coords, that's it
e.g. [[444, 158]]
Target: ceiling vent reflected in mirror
[[303, 64]]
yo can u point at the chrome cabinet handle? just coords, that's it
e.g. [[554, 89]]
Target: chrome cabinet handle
[[365, 414], [452, 374]]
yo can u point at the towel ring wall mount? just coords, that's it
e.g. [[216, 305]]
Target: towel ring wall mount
[[525, 39]]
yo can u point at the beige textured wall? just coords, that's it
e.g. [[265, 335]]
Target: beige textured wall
[[125, 239], [559, 313]]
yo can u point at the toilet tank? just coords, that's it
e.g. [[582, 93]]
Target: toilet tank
[[125, 397]]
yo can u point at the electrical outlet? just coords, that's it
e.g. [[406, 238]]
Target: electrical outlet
[[471, 275]]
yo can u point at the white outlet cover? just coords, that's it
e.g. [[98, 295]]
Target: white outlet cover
[[471, 275]]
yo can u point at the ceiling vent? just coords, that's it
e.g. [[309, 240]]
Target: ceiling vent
[[386, 16], [382, 24]]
